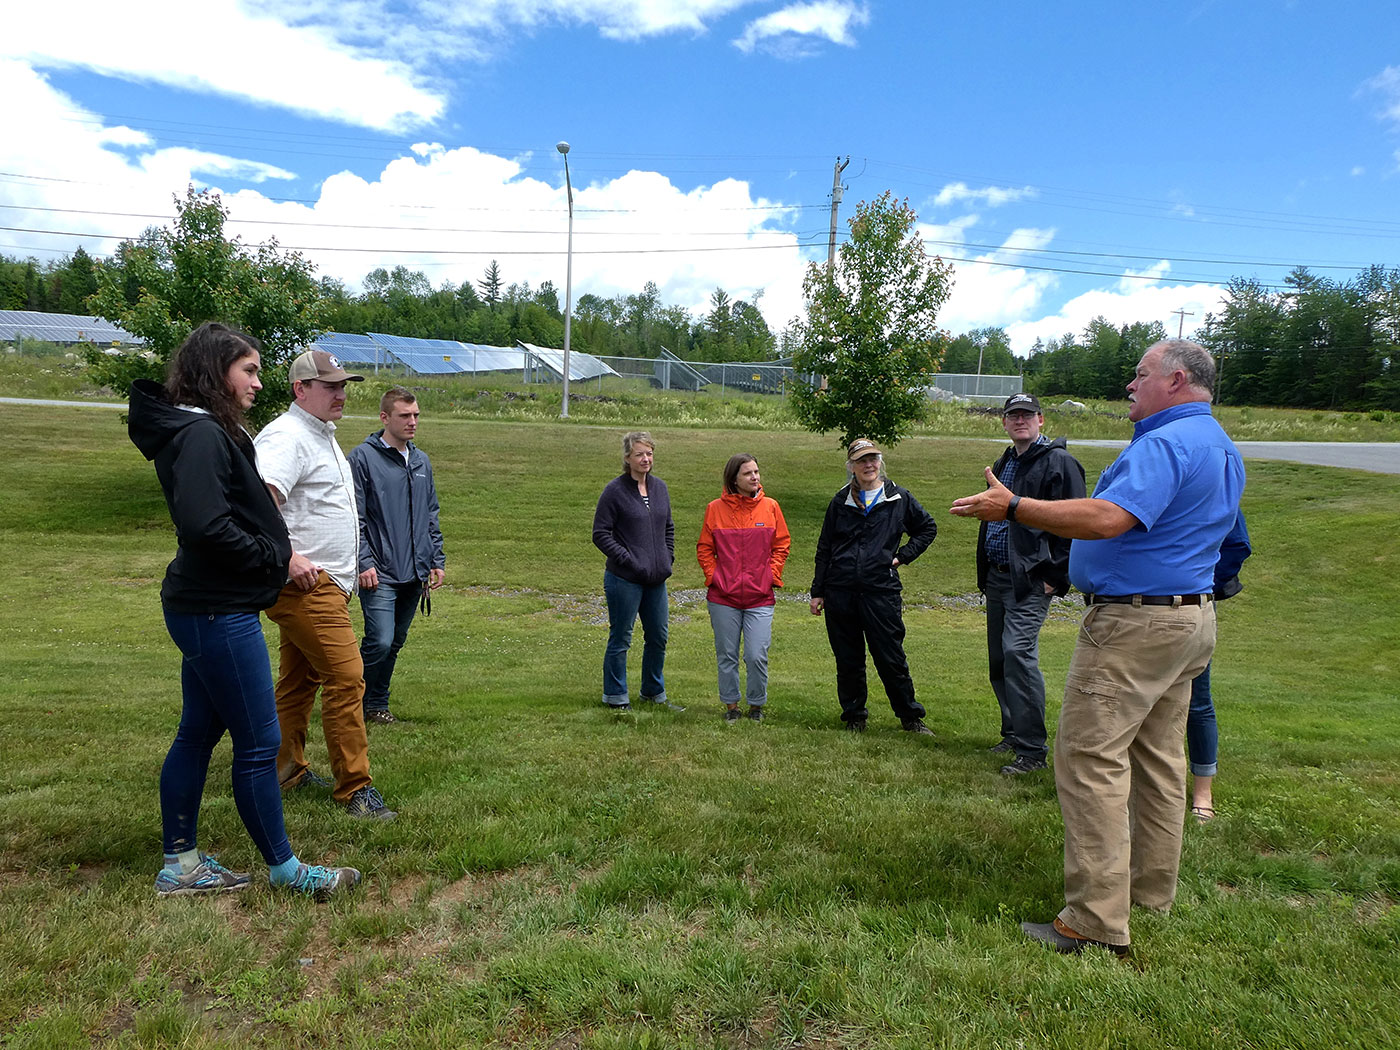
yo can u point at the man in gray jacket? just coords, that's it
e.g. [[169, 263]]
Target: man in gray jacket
[[401, 559], [1020, 569]]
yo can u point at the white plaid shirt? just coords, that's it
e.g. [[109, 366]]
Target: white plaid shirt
[[298, 455]]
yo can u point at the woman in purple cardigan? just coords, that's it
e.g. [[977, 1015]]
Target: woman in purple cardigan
[[633, 527]]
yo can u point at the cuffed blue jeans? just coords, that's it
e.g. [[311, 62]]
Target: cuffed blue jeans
[[1013, 659], [227, 685], [1202, 736], [388, 610], [626, 602], [756, 628]]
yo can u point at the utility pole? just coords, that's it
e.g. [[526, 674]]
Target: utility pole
[[836, 191], [1181, 321]]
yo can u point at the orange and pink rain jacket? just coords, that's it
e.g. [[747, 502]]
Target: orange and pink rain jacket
[[743, 545]]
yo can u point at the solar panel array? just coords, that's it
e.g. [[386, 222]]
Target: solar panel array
[[581, 366], [61, 328]]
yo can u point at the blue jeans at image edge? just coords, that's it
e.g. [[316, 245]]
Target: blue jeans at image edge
[[626, 602], [227, 686], [388, 611], [1202, 736]]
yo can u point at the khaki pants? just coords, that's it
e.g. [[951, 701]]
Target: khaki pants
[[319, 652], [1120, 768]]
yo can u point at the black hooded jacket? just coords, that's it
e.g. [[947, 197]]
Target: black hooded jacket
[[1037, 557], [233, 546]]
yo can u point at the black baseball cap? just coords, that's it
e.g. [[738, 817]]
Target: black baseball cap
[[1021, 403]]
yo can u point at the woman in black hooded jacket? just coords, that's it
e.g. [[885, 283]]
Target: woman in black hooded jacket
[[230, 564]]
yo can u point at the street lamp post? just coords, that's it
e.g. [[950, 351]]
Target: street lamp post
[[563, 149]]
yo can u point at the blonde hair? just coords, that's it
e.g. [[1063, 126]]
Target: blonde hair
[[631, 438]]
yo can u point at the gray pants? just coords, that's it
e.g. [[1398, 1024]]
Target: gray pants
[[1013, 659], [756, 628]]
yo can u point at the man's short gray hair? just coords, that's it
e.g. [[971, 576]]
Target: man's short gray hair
[[1192, 358]]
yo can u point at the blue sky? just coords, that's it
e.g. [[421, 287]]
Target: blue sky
[[1070, 160]]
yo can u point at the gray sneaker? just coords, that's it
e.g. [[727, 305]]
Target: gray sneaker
[[322, 882], [1002, 747], [368, 804], [916, 725], [663, 702], [309, 779], [754, 714], [1023, 765], [731, 716], [209, 877]]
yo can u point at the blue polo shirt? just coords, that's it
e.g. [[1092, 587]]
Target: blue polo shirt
[[1182, 478]]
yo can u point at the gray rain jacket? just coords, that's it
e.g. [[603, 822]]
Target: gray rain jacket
[[399, 534]]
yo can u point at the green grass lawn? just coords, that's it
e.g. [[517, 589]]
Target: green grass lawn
[[564, 877]]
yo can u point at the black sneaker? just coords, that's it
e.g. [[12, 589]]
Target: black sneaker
[[731, 716], [755, 714], [1024, 765], [916, 725], [380, 716], [368, 804], [858, 726], [1002, 747]]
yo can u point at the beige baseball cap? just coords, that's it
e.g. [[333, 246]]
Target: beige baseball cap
[[862, 447], [318, 364]]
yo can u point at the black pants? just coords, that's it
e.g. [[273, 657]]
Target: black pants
[[855, 619]]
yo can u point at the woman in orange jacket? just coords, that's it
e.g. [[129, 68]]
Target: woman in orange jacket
[[743, 545]]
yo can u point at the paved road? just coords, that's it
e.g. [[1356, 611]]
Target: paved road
[[1379, 457]]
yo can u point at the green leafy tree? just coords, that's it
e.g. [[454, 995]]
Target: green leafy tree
[[491, 284], [871, 328], [173, 280]]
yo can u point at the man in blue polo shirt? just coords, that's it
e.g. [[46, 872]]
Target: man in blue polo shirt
[[1144, 556]]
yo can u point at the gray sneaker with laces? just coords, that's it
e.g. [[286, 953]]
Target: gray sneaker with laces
[[368, 804], [321, 882]]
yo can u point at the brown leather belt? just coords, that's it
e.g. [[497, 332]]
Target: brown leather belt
[[1146, 599]]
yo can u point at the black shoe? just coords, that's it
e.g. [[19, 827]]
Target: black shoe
[[1001, 747], [1045, 933], [856, 726], [621, 709], [309, 779], [731, 716], [368, 804], [1023, 765], [380, 716], [916, 725], [755, 714]]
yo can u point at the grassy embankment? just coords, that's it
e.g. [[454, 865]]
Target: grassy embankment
[[562, 877], [627, 403]]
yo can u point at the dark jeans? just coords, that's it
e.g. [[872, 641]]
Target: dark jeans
[[388, 610], [1202, 737], [227, 685], [855, 619], [1013, 659], [627, 601]]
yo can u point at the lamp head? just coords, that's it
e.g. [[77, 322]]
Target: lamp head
[[562, 147]]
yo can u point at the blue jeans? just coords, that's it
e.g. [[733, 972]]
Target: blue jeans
[[756, 628], [227, 685], [627, 601], [389, 610], [1202, 737]]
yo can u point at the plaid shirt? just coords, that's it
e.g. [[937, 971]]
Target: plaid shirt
[[998, 542]]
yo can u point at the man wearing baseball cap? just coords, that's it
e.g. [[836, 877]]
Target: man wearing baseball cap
[[311, 481], [1019, 569]]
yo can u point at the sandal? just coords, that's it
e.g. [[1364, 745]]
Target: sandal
[[1203, 814]]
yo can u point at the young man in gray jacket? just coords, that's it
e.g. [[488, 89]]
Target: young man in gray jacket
[[401, 558], [1020, 569]]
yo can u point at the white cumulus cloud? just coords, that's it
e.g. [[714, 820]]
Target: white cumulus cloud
[[990, 196], [794, 30]]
